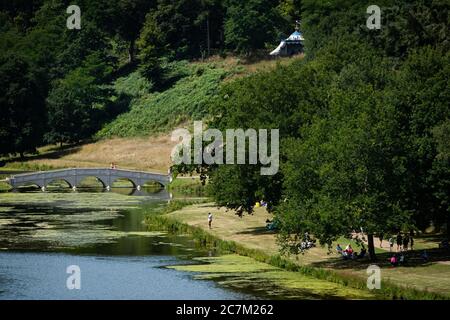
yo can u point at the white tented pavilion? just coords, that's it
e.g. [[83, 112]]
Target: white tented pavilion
[[290, 46]]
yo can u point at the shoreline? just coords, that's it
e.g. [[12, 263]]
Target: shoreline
[[250, 240]]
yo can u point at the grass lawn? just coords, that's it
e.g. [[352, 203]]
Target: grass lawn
[[250, 231]]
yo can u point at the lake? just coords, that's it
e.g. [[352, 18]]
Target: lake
[[42, 234]]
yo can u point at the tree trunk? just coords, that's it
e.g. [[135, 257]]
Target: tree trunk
[[371, 245], [131, 52]]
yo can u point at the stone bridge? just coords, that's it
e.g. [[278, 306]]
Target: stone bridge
[[74, 176]]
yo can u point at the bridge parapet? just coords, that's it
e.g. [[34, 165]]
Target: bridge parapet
[[74, 176]]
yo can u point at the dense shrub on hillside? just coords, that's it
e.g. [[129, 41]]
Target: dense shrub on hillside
[[158, 112]]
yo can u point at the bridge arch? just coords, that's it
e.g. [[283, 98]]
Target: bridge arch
[[121, 182], [152, 183], [30, 184], [54, 183], [90, 182]]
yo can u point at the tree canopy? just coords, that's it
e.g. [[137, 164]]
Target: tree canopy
[[363, 123]]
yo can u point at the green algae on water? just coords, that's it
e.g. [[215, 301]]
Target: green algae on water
[[51, 221], [244, 273]]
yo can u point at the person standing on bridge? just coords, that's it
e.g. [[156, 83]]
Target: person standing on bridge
[[210, 217]]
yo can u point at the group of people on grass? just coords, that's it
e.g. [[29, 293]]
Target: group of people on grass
[[307, 242], [261, 203], [403, 241], [399, 259], [349, 253]]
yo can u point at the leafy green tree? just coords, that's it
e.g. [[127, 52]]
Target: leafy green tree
[[358, 149], [21, 11], [130, 17], [342, 178], [260, 102], [172, 30], [22, 107], [405, 24], [440, 173], [75, 103], [178, 30], [422, 96], [249, 25]]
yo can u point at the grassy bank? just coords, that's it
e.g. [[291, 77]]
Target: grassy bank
[[4, 186], [241, 243], [191, 85], [183, 186], [149, 154]]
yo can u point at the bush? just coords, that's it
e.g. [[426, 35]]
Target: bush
[[162, 111]]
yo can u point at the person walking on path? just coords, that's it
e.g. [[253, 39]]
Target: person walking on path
[[405, 243], [391, 243], [210, 217]]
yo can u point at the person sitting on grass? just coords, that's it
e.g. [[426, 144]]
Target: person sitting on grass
[[363, 252], [339, 249], [402, 259], [424, 256], [394, 260], [444, 244], [349, 249], [345, 255]]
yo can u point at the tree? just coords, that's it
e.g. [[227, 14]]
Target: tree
[[422, 96], [249, 25], [74, 103], [129, 19], [341, 176], [291, 12], [22, 107], [181, 29]]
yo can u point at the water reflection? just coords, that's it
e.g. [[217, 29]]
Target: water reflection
[[151, 191], [81, 221], [41, 233]]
